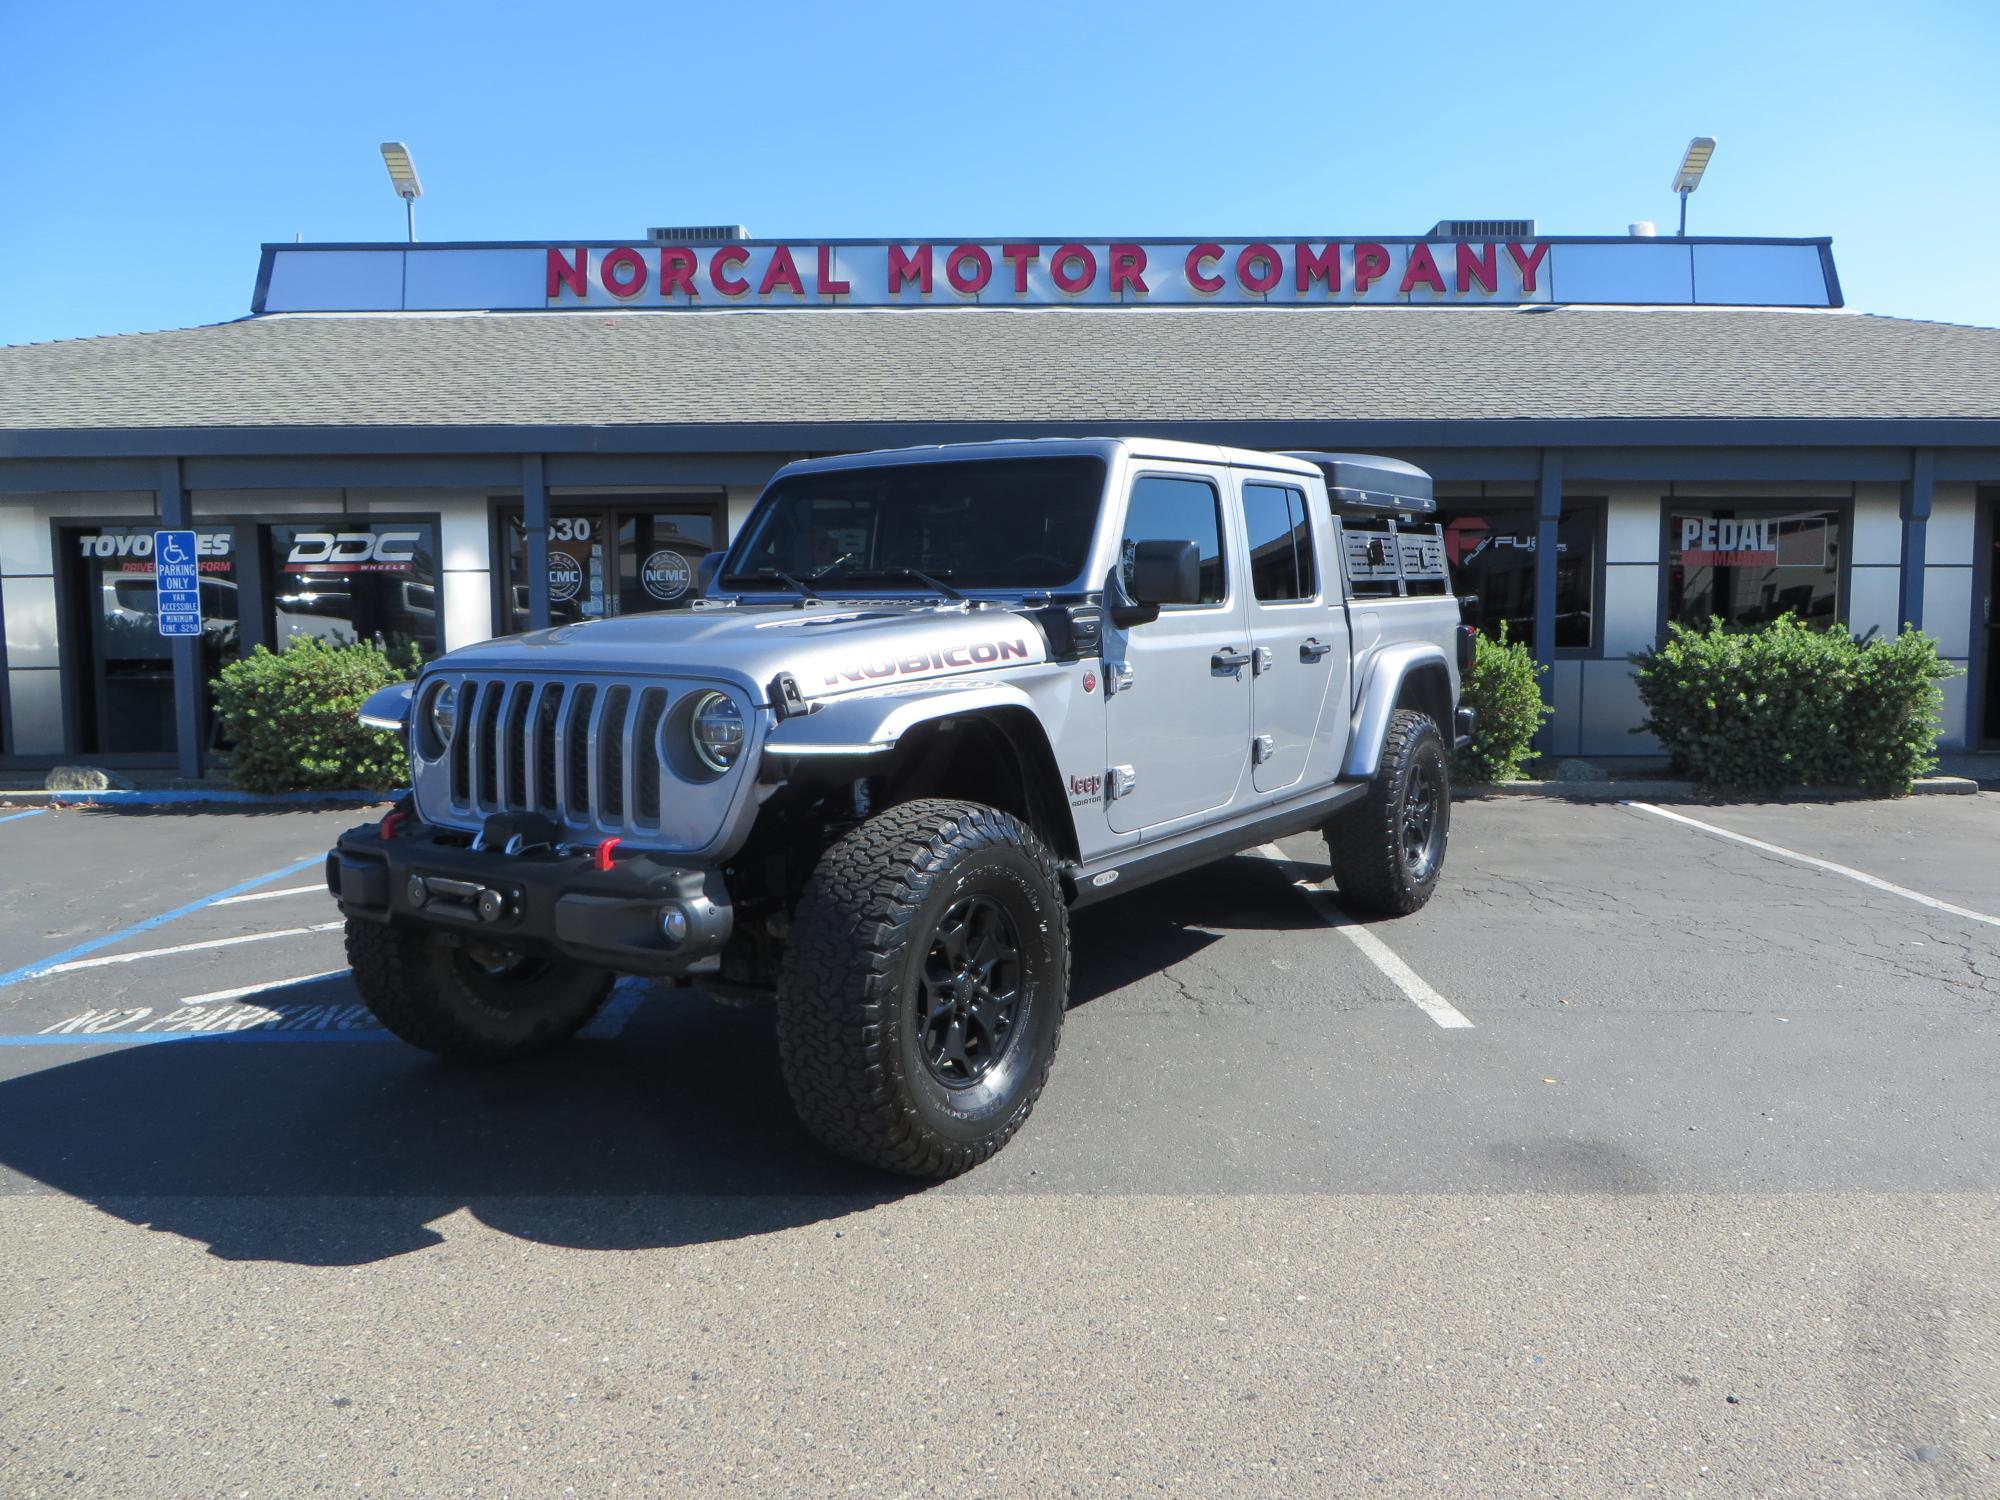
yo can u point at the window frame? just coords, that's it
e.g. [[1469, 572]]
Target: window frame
[[1841, 506], [1285, 485], [1228, 534], [1595, 511]]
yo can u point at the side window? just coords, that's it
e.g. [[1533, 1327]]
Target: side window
[[1281, 546], [1166, 509]]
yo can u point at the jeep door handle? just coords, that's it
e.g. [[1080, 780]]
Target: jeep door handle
[[1226, 660], [1312, 649]]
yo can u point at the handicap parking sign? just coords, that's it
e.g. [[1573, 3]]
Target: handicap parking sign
[[177, 576]]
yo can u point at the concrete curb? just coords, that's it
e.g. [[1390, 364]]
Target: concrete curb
[[173, 797], [1650, 790]]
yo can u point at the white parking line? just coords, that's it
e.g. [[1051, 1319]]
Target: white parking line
[[290, 890], [1819, 864], [1377, 952], [228, 942], [261, 989]]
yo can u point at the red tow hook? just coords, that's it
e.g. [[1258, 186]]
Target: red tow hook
[[603, 855]]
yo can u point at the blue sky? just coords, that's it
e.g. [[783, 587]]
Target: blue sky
[[153, 147]]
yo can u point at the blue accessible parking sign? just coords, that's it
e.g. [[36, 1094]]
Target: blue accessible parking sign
[[177, 575]]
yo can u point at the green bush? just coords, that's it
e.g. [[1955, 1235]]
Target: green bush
[[1788, 705], [291, 716], [1504, 688]]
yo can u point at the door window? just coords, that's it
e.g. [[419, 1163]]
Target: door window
[[1281, 546], [124, 682], [1748, 567], [1170, 508], [609, 560]]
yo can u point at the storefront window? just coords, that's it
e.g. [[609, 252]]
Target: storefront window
[[1491, 552], [616, 559], [1748, 567], [122, 682], [347, 580]]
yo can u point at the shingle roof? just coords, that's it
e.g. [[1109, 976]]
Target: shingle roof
[[1115, 367]]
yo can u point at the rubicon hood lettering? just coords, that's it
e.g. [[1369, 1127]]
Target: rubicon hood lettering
[[933, 659]]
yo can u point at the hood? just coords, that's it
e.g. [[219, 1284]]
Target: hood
[[827, 648]]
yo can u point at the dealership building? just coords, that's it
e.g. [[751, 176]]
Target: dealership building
[[425, 445]]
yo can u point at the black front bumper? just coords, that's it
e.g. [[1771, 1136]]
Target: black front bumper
[[550, 901]]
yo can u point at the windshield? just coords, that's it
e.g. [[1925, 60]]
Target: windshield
[[1013, 523]]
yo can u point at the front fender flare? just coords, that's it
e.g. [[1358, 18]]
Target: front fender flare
[[1381, 691], [871, 723]]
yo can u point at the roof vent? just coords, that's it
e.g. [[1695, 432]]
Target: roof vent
[[1482, 229], [679, 232]]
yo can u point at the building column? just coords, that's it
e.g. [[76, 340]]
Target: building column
[[177, 514], [1916, 512], [535, 529], [1548, 515]]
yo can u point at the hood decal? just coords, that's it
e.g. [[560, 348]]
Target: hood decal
[[928, 659]]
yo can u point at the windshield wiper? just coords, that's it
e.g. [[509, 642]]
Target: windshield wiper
[[804, 589], [918, 575]]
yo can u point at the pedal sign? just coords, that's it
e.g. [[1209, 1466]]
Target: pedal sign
[[177, 578]]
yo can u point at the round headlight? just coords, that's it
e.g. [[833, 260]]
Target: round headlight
[[444, 713], [716, 727]]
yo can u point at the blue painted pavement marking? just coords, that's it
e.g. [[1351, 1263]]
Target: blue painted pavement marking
[[33, 812], [42, 966]]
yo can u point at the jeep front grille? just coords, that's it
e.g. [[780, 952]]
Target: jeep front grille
[[586, 754]]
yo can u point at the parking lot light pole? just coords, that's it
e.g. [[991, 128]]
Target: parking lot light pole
[[403, 177], [1694, 162]]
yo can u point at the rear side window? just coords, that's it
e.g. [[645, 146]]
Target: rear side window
[[1167, 508], [1281, 546]]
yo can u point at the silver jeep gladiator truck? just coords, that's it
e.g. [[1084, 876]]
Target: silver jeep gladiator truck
[[928, 703]]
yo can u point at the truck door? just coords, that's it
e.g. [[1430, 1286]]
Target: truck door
[[1298, 638], [1177, 724]]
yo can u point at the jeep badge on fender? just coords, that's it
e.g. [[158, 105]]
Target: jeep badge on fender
[[856, 780]]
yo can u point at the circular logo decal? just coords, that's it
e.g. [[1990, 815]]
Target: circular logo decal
[[1090, 682], [666, 575], [565, 577]]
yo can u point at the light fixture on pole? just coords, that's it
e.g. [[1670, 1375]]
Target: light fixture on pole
[[403, 175], [1688, 178]]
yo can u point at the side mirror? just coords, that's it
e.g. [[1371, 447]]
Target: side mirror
[[705, 571], [1163, 572]]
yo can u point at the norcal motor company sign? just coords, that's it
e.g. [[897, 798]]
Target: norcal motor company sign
[[1029, 272], [1051, 272]]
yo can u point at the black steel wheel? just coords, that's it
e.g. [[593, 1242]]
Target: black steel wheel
[[924, 981], [969, 991], [1388, 848]]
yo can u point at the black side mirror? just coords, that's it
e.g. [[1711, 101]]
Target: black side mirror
[[1163, 572], [705, 571]]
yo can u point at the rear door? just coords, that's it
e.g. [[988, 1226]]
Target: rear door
[[1177, 724], [1298, 640]]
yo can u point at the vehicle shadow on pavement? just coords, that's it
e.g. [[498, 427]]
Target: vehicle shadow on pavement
[[343, 1153], [1128, 939]]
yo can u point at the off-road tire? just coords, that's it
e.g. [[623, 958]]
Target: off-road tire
[[1373, 863], [425, 989], [850, 1038]]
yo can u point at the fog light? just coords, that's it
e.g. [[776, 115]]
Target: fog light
[[674, 924], [419, 893]]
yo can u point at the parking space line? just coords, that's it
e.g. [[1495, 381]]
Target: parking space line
[[229, 942], [47, 965], [1874, 881], [33, 812], [1377, 952], [262, 989], [290, 890]]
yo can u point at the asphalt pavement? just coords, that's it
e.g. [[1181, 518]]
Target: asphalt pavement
[[1697, 1193]]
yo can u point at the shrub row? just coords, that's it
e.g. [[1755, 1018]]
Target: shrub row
[[1790, 705]]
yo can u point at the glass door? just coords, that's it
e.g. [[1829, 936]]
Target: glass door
[[122, 680]]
